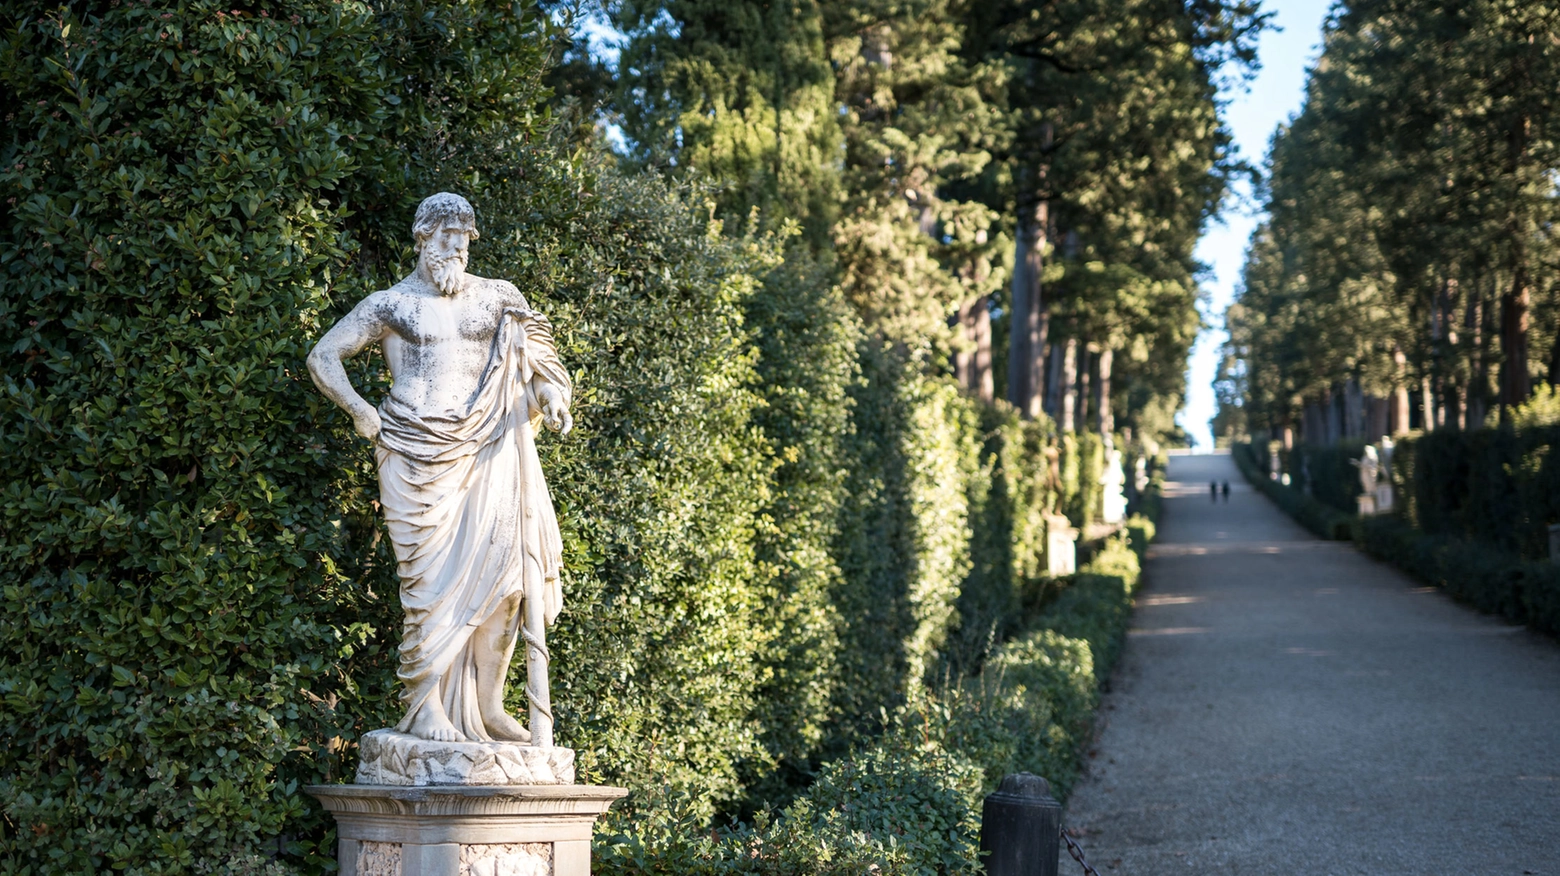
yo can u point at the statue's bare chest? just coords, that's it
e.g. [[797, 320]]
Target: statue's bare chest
[[425, 321]]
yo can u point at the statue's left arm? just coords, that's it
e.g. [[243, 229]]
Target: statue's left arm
[[550, 384]]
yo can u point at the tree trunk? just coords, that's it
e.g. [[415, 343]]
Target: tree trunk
[[972, 365], [1085, 384], [1053, 376], [1427, 404], [1104, 421], [1068, 403], [1554, 361], [1514, 382], [1478, 370], [1400, 403], [1029, 320]]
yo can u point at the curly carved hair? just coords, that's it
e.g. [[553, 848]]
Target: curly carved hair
[[440, 210]]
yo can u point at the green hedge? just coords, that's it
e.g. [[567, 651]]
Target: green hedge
[[778, 533], [1500, 487], [908, 804], [1322, 519], [1487, 578], [195, 592], [1472, 518], [200, 611], [1335, 480]]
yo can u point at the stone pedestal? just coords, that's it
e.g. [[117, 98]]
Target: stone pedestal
[[1061, 546], [1383, 498], [465, 830], [1367, 505], [424, 808]]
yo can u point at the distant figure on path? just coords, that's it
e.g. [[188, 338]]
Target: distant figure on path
[[1226, 490], [1213, 491]]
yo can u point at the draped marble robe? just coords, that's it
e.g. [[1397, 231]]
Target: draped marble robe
[[470, 517]]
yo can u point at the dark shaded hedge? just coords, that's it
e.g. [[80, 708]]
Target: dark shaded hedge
[[1496, 486], [1329, 470], [1322, 519], [1473, 517], [1489, 579]]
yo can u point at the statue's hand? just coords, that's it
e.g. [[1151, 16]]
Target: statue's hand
[[554, 412], [366, 420]]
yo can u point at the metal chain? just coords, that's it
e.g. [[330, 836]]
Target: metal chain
[[1077, 852]]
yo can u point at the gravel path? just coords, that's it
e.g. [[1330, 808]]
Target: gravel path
[[1288, 706]]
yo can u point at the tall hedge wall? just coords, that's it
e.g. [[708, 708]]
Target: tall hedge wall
[[1498, 486], [194, 593], [775, 528]]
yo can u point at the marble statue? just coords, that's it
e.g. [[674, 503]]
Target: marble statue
[[1113, 479], [1370, 470], [474, 374]]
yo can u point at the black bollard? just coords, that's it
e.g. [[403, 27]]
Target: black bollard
[[1020, 828]]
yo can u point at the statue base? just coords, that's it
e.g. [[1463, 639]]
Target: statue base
[[388, 757], [455, 830], [1383, 498]]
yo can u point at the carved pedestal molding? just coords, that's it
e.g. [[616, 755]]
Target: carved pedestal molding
[[465, 830]]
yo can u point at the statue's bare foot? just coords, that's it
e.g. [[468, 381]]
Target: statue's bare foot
[[504, 727], [431, 723]]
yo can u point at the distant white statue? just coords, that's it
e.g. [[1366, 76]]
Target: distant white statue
[[1114, 480], [474, 372], [1387, 446], [1370, 470]]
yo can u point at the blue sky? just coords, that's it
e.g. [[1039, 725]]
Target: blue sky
[[1272, 98]]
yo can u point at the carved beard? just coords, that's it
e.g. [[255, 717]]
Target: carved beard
[[448, 273]]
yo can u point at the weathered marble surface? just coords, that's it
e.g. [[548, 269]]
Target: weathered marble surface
[[506, 859], [379, 859], [388, 757], [475, 376]]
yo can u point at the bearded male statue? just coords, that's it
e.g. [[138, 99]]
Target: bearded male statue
[[474, 373]]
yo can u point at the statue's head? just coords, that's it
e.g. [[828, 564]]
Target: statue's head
[[443, 230]]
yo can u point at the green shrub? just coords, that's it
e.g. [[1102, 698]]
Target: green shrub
[[1494, 486], [200, 615], [899, 808], [195, 594], [667, 622], [1008, 498], [1322, 519], [909, 803], [1335, 480], [1487, 578], [806, 336], [905, 529]]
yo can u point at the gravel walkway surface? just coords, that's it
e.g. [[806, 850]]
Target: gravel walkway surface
[[1289, 706]]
